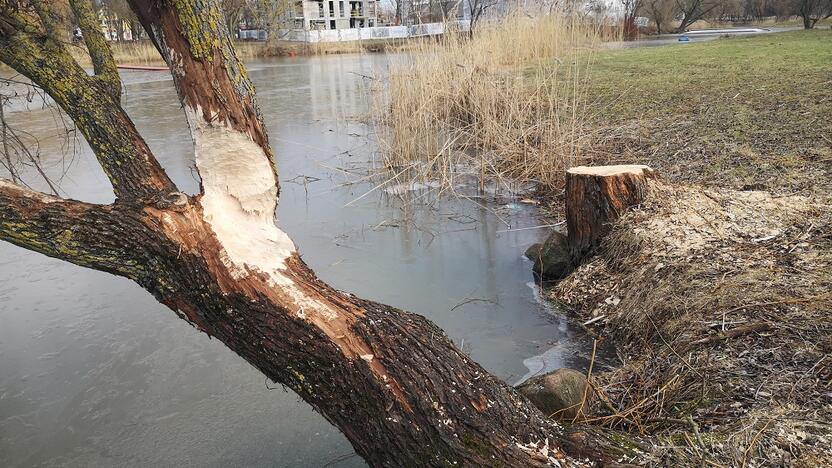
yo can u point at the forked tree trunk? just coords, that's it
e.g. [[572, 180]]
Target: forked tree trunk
[[595, 198], [391, 381]]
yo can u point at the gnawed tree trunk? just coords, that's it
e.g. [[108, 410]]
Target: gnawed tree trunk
[[595, 198], [391, 381]]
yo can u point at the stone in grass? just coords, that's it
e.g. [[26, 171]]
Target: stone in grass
[[552, 260], [559, 394]]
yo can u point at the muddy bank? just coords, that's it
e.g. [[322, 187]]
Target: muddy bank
[[718, 303]]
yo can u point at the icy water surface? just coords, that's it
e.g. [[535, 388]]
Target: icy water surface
[[94, 372]]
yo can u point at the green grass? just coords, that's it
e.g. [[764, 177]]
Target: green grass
[[744, 111], [793, 21]]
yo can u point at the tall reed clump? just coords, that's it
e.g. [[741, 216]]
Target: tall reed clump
[[509, 103]]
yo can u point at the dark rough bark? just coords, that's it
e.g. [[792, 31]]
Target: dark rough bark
[[435, 408], [102, 59], [444, 408], [90, 102], [595, 198], [82, 233]]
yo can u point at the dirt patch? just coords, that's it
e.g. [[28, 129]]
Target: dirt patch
[[719, 303]]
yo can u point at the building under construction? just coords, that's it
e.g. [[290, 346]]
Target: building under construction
[[312, 15]]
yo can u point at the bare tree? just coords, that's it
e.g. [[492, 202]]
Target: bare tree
[[393, 383], [476, 10], [233, 12], [630, 9], [694, 10], [270, 15], [398, 7], [727, 10], [118, 13], [660, 11], [813, 11], [752, 9]]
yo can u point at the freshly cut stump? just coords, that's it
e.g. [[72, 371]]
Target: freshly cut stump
[[595, 198]]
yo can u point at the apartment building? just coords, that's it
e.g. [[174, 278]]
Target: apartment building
[[316, 15]]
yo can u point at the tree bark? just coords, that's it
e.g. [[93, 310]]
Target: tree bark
[[595, 198], [92, 102], [391, 381]]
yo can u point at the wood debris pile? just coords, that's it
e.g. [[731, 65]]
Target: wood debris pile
[[720, 304]]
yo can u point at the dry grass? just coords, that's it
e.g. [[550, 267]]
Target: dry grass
[[744, 112], [717, 300], [719, 303], [128, 52], [507, 104], [144, 53]]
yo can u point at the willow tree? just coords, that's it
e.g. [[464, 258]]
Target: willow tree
[[390, 380]]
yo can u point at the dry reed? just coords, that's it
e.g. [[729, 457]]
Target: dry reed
[[143, 52], [508, 104]]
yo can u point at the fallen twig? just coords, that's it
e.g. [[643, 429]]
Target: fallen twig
[[735, 332], [470, 300], [531, 227]]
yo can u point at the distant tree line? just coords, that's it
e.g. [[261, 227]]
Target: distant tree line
[[678, 15], [121, 24], [253, 14]]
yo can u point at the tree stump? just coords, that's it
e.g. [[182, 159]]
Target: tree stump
[[595, 198]]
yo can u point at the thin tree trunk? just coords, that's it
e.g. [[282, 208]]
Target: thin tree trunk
[[391, 381]]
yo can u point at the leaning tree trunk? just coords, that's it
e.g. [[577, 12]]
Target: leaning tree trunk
[[391, 381]]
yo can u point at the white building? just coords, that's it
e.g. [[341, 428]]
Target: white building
[[316, 15], [434, 11]]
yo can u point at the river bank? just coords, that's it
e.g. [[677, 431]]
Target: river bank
[[718, 304], [144, 53], [130, 408], [715, 291]]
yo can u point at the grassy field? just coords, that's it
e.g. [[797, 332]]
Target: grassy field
[[720, 311], [751, 111]]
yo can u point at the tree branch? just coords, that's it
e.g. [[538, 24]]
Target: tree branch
[[206, 70], [92, 236], [45, 16], [100, 53], [123, 154]]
